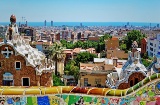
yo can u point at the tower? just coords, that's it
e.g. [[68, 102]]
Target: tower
[[150, 25], [26, 23], [19, 24], [80, 24], [45, 23], [51, 23]]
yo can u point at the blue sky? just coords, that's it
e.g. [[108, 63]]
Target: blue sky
[[81, 10]]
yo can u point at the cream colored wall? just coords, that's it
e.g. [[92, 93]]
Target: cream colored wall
[[92, 64], [91, 79], [109, 67], [98, 64], [60, 67]]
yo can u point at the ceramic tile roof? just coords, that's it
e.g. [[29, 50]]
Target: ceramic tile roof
[[32, 56]]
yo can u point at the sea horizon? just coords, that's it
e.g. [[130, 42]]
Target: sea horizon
[[41, 24]]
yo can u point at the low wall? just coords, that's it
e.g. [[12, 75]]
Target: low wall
[[146, 92]]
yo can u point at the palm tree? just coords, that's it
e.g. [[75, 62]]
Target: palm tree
[[56, 54]]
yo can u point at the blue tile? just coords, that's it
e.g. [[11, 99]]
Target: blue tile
[[158, 86], [43, 100]]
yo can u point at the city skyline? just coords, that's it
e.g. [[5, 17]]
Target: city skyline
[[81, 10]]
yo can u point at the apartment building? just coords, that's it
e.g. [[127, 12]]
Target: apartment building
[[153, 45], [95, 73]]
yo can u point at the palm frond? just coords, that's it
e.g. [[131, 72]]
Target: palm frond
[[56, 52]]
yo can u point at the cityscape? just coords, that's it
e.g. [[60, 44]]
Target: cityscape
[[83, 52]]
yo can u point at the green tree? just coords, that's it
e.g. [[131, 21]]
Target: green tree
[[101, 42], [133, 35], [64, 42], [70, 45], [85, 57], [57, 81], [103, 38], [56, 53], [95, 45], [72, 69], [123, 47], [78, 44], [146, 62], [145, 56], [99, 46]]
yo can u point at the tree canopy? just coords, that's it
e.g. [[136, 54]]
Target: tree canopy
[[133, 35], [85, 57], [56, 51], [57, 81], [146, 62], [56, 54], [72, 69], [123, 46], [98, 45]]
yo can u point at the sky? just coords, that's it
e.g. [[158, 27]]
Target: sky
[[81, 10]]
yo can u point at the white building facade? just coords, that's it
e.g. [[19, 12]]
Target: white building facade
[[153, 45]]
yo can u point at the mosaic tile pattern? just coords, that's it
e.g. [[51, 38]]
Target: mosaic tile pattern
[[144, 96], [148, 95]]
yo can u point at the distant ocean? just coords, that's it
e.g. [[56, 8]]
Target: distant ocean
[[40, 24]]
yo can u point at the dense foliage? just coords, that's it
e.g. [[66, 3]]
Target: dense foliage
[[56, 53], [85, 57], [72, 69], [133, 35], [146, 62], [57, 81], [98, 45], [123, 47]]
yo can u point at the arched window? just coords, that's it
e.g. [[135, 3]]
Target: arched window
[[7, 79]]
